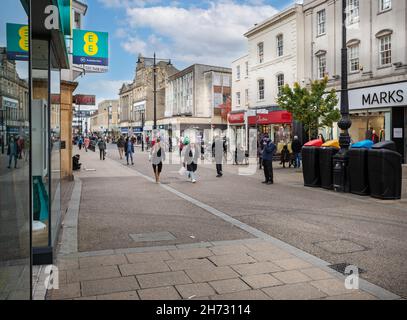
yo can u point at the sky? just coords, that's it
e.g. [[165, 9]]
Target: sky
[[187, 32]]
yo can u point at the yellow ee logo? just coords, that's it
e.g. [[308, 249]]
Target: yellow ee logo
[[91, 39], [23, 42]]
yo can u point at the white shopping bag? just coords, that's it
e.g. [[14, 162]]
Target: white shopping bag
[[182, 171]]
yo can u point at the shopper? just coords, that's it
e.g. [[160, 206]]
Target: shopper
[[80, 143], [86, 143], [218, 149], [296, 147], [102, 148], [129, 149], [157, 157], [285, 156], [191, 156], [120, 146], [12, 152], [375, 137], [269, 150]]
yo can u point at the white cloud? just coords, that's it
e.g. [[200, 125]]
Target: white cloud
[[127, 3], [212, 35]]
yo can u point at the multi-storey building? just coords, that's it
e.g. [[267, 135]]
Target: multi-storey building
[[106, 118], [194, 100], [377, 62]]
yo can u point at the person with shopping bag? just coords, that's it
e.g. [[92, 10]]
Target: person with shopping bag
[[157, 157], [191, 156]]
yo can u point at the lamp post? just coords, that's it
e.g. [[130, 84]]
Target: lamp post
[[155, 60], [2, 132], [340, 160]]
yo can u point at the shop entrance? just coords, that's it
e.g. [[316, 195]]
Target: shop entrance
[[367, 124]]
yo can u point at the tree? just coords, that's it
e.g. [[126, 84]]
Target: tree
[[314, 107]]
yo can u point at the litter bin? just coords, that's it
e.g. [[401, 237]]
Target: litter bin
[[326, 153], [385, 168], [358, 174], [310, 163]]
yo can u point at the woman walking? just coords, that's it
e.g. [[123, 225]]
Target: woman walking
[[157, 156], [129, 148], [191, 156]]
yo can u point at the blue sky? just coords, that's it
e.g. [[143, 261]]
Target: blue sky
[[186, 32]]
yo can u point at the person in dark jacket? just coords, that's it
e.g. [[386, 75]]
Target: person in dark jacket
[[285, 156], [191, 157], [296, 147], [129, 149], [102, 148], [218, 149], [12, 151], [120, 146], [269, 150]]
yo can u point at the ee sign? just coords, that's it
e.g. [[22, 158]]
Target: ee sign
[[90, 48], [17, 41]]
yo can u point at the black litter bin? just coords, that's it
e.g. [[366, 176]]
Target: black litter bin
[[326, 166], [358, 174], [310, 166], [385, 168]]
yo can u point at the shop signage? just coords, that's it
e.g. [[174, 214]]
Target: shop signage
[[274, 117], [84, 100], [17, 41], [398, 133], [236, 117], [391, 95], [90, 48], [10, 103]]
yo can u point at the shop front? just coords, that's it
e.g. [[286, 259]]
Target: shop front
[[237, 131], [379, 113]]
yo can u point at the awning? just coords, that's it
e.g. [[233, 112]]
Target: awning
[[236, 118], [273, 117]]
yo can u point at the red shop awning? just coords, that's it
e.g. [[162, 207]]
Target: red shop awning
[[236, 118], [273, 117]]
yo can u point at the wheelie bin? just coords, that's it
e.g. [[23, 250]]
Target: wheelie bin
[[310, 163], [326, 153], [385, 169], [358, 174]]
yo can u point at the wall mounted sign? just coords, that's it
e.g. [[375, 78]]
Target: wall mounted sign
[[17, 42], [90, 48], [84, 100], [398, 133]]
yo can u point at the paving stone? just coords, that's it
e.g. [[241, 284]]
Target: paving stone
[[67, 264], [229, 286], [211, 274], [229, 259], [317, 274], [195, 290], [331, 287], [86, 298], [259, 281], [143, 268], [190, 253], [231, 249], [261, 245], [162, 293], [185, 264], [163, 279], [293, 264], [292, 276], [106, 286], [298, 291], [256, 268], [194, 245], [91, 262], [353, 296], [128, 295], [71, 290], [152, 236], [92, 274], [242, 295], [270, 255], [148, 256]]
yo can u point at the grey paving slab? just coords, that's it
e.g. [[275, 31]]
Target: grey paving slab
[[292, 264], [128, 295], [185, 264], [316, 273], [256, 268], [163, 279], [143, 268], [148, 256], [331, 287], [190, 253], [242, 295], [270, 255], [162, 293], [71, 290], [211, 274], [195, 290], [152, 236], [229, 286], [292, 276], [229, 249], [298, 291], [352, 296], [231, 259], [259, 281], [89, 262], [79, 275], [107, 286]]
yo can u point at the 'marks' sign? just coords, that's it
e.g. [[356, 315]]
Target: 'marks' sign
[[383, 97]]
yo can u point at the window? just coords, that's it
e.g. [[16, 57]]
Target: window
[[354, 58], [280, 45], [246, 93], [247, 68], [280, 83], [260, 52], [385, 50], [238, 98], [321, 23], [238, 72], [385, 5], [261, 89], [322, 66], [352, 11]]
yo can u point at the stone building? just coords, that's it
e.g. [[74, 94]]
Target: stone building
[[106, 118], [136, 106]]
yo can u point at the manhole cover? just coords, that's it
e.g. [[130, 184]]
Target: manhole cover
[[153, 236], [341, 267], [340, 246]]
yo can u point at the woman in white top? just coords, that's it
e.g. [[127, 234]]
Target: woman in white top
[[157, 156]]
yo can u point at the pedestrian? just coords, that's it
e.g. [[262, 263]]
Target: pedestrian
[[129, 149], [321, 137], [218, 149], [260, 151], [269, 150], [375, 137], [285, 156], [86, 143], [157, 157], [191, 156], [369, 133], [80, 143], [120, 146], [102, 148], [296, 147], [20, 144], [12, 152], [147, 141]]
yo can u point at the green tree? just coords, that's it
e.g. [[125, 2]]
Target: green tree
[[313, 107]]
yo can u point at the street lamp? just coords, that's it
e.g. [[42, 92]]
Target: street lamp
[[155, 60], [341, 159]]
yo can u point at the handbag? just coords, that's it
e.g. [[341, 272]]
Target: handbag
[[182, 171]]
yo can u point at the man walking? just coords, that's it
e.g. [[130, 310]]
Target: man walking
[[120, 145], [296, 147], [129, 148], [102, 148], [218, 149], [269, 150], [12, 151]]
